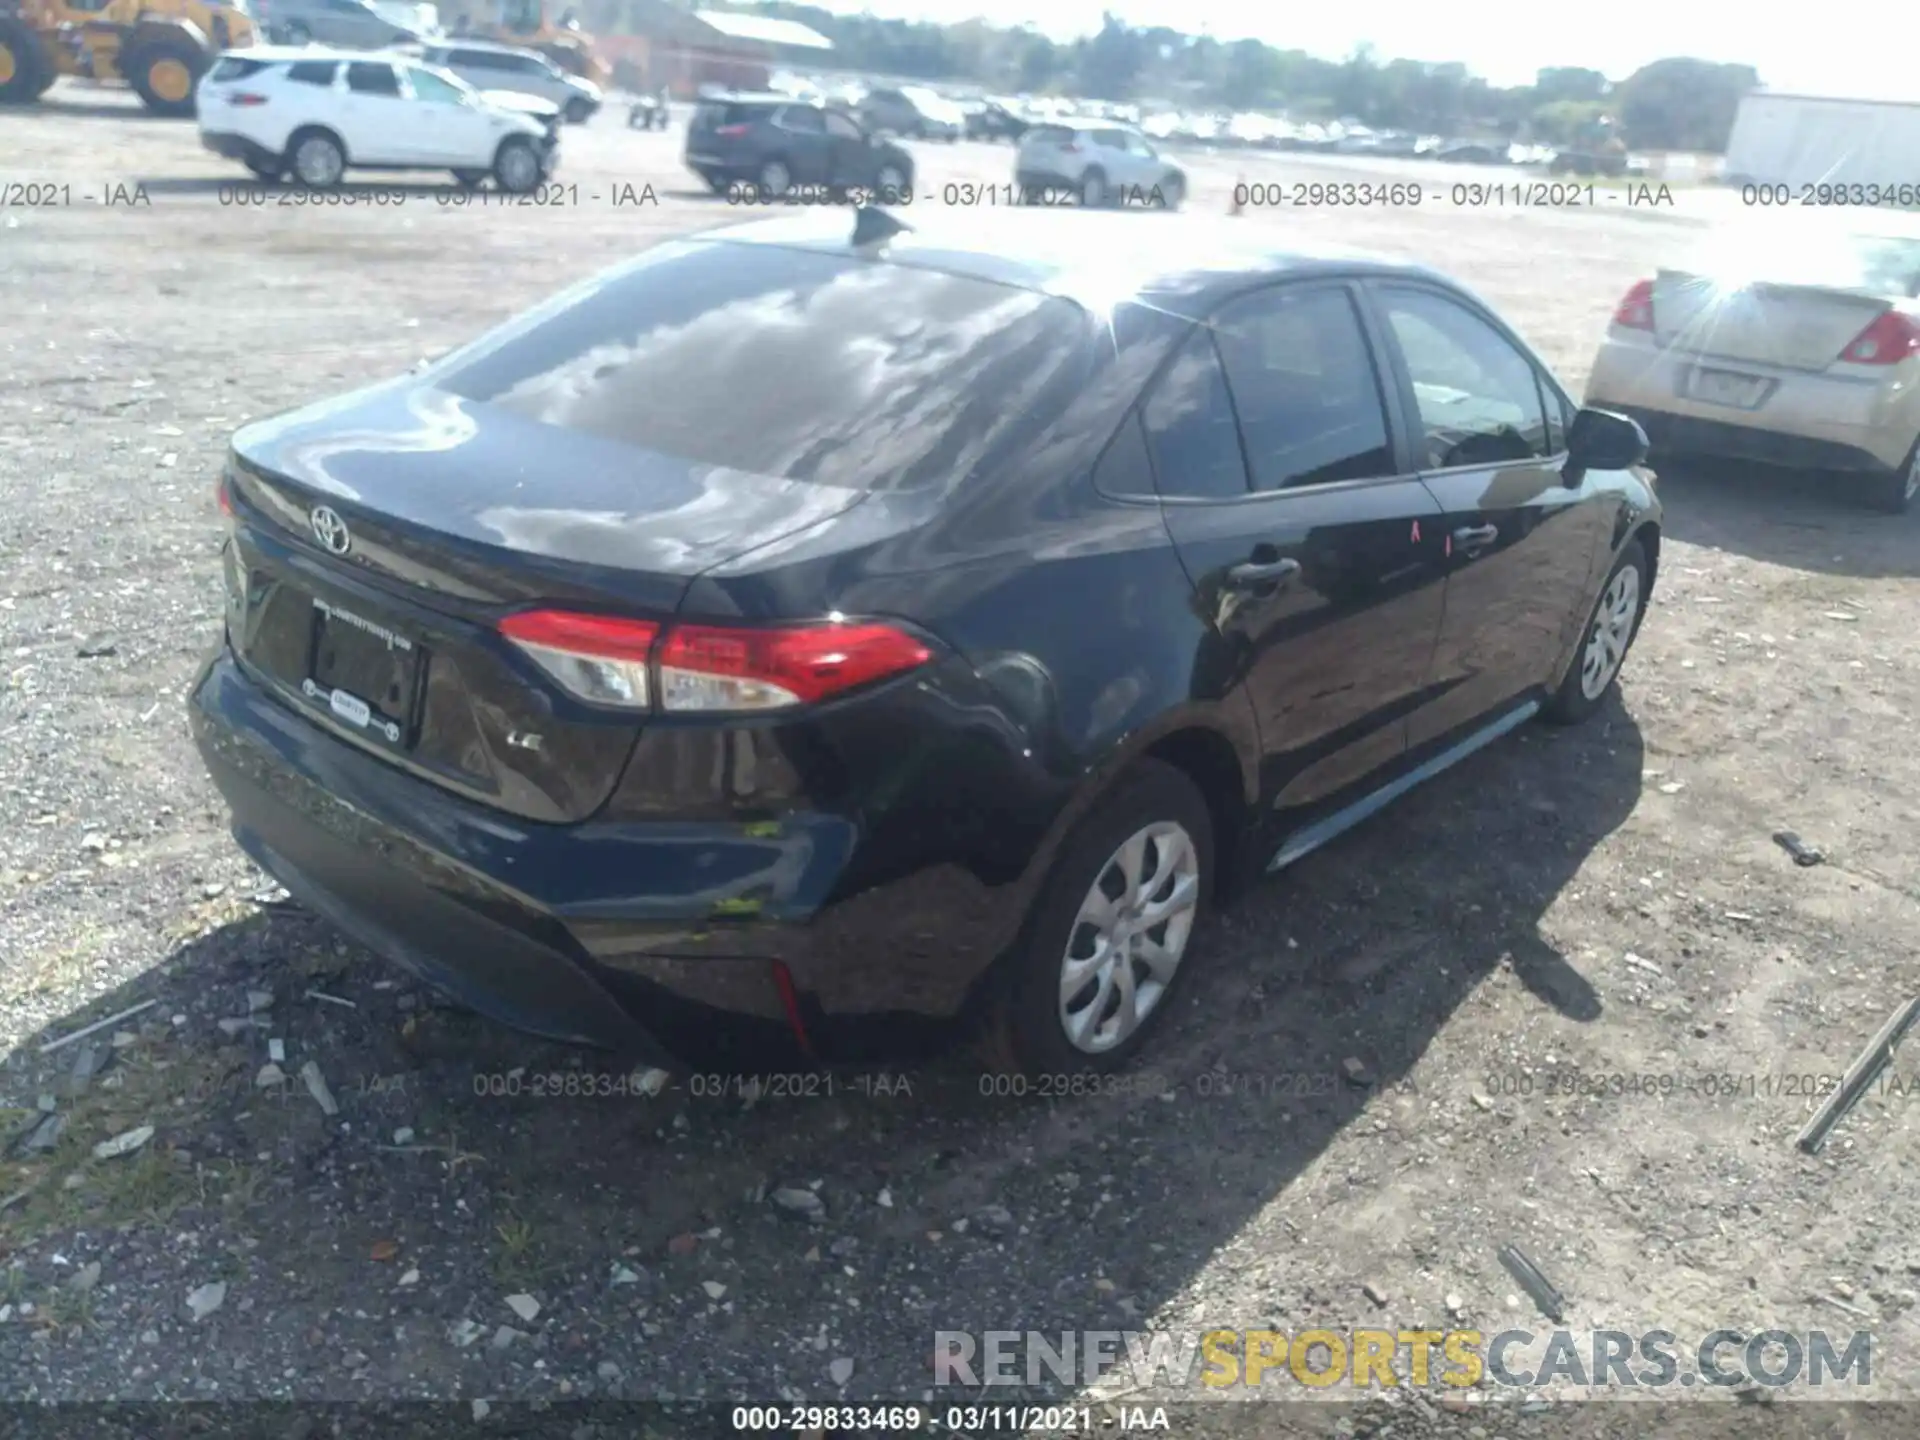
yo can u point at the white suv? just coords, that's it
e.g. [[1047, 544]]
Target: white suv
[[315, 113], [1102, 163]]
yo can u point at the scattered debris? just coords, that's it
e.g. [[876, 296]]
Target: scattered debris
[[683, 1244], [803, 1204], [1640, 962], [463, 1333], [885, 1198], [384, 1250], [480, 1409], [504, 1337], [45, 1135], [98, 1025], [1356, 1071], [85, 1278], [88, 1062], [258, 1000], [1838, 615], [622, 1275], [1455, 1304], [317, 1087], [713, 1288], [1374, 1293], [1481, 1101], [123, 1144], [1551, 1303], [207, 1299], [277, 1051], [238, 1025], [840, 1371], [1802, 853], [332, 999], [525, 1306], [270, 1076], [1860, 1077], [97, 649], [412, 1277], [994, 1219], [403, 1136]]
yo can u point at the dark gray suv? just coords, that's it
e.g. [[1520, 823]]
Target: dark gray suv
[[778, 145]]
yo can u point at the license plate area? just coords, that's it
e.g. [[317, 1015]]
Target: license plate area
[[364, 674], [1729, 387]]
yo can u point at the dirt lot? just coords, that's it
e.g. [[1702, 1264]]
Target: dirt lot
[[1600, 903]]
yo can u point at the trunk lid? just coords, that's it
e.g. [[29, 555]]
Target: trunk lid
[[379, 538], [1794, 327]]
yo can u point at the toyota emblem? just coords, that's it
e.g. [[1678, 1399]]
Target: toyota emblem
[[330, 530]]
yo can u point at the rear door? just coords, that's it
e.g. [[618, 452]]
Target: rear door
[[1519, 546], [850, 158], [803, 142], [376, 118], [1310, 543]]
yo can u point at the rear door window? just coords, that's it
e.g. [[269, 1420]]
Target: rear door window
[[1304, 387], [787, 362], [313, 72], [801, 119], [232, 67], [1190, 427]]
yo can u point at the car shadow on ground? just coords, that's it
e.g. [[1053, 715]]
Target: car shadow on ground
[[1803, 519], [347, 192], [483, 1164]]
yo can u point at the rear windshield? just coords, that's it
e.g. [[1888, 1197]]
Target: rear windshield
[[1814, 253], [788, 362], [232, 67]]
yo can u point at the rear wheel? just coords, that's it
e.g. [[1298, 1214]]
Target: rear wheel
[[1173, 192], [163, 70], [1093, 188], [775, 179], [1610, 631], [1894, 491], [317, 159], [517, 167], [24, 71], [577, 111], [1104, 944]]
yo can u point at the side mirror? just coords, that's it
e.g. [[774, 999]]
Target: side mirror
[[1602, 440]]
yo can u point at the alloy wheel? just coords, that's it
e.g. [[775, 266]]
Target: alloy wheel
[[318, 162], [1612, 632], [775, 179], [1129, 937]]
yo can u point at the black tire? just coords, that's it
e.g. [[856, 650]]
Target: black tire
[[146, 56], [578, 111], [1026, 1031], [470, 179], [515, 174], [1173, 192], [717, 183], [306, 152], [23, 62], [1571, 703], [774, 179], [1093, 188], [1892, 492]]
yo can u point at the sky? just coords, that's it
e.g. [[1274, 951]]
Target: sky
[[1862, 48]]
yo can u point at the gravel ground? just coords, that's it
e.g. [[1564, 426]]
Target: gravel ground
[[1364, 1095]]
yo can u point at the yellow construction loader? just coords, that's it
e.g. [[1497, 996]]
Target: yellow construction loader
[[159, 47], [525, 23]]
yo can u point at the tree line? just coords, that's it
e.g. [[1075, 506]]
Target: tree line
[[1671, 104]]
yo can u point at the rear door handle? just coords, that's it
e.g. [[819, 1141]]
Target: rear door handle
[[1476, 537], [1256, 573]]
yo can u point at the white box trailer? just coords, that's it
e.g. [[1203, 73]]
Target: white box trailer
[[1811, 140]]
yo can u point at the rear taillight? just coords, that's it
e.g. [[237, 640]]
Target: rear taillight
[[599, 658], [732, 132], [1891, 338], [710, 669], [246, 97], [1635, 312], [225, 498]]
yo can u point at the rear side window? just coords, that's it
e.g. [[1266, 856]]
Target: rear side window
[[1304, 388], [714, 114], [1191, 429], [368, 79], [786, 362], [1049, 135], [232, 67], [313, 72], [1124, 468], [799, 117]]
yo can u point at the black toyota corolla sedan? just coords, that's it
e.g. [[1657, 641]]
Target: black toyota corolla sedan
[[825, 624]]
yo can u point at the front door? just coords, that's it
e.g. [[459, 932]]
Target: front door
[[850, 158], [451, 132], [1312, 548], [803, 143], [1521, 546]]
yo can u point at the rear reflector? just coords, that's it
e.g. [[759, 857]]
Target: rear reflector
[[709, 669], [1887, 341], [1635, 311], [225, 497], [732, 131], [599, 658]]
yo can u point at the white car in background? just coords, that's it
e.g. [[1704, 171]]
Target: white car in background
[[1102, 163], [489, 67], [316, 113]]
